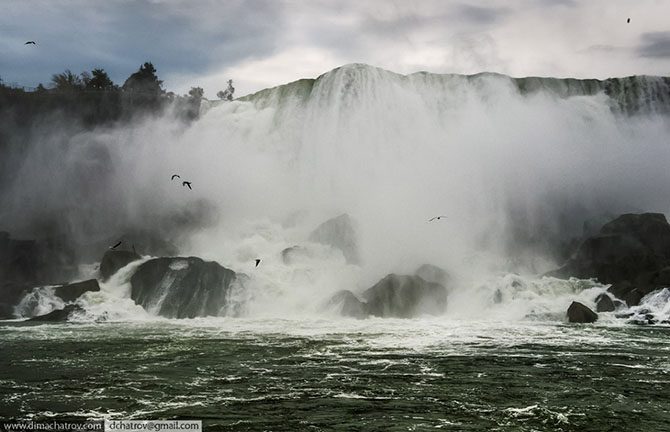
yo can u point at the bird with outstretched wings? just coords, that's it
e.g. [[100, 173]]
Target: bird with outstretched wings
[[187, 183]]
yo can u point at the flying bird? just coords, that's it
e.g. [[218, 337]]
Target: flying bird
[[187, 183], [116, 245], [628, 20], [30, 43], [258, 261], [436, 217], [174, 176]]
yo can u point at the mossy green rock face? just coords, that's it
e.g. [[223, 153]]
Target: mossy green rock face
[[182, 287]]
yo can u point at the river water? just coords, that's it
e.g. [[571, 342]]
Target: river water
[[339, 374]]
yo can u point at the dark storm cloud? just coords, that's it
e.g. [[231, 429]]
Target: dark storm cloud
[[119, 36], [655, 45]]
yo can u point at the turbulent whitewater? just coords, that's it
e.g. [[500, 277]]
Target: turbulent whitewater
[[523, 169]]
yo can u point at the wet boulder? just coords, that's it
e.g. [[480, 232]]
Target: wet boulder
[[71, 292], [339, 233], [627, 292], [349, 305], [578, 313], [60, 315], [114, 260], [182, 287], [604, 303], [432, 273], [405, 297], [629, 252]]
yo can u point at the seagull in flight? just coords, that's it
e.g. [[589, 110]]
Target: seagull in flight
[[187, 183], [436, 217], [116, 245], [30, 43], [174, 176], [258, 261]]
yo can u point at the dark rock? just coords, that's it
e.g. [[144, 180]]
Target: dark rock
[[114, 260], [604, 303], [338, 232], [73, 291], [59, 315], [578, 313], [349, 304], [432, 273], [20, 260], [627, 292], [10, 295], [405, 297], [182, 287], [28, 263], [630, 252], [662, 277], [651, 229]]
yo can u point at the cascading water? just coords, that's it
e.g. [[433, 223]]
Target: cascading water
[[517, 165], [521, 168]]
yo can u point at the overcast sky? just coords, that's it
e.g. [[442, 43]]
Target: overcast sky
[[263, 43]]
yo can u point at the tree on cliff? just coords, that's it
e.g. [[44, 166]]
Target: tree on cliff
[[144, 80], [99, 80], [227, 94], [66, 81]]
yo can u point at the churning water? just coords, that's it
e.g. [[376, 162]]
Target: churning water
[[518, 167]]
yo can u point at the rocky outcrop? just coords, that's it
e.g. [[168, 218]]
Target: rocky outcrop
[[25, 264], [11, 294], [630, 252], [114, 260], [182, 287], [59, 315], [395, 296], [34, 262], [339, 233], [71, 292], [578, 313], [604, 303], [405, 297], [433, 274], [349, 305]]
